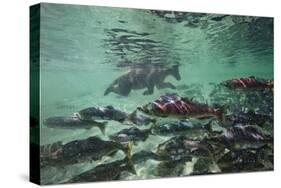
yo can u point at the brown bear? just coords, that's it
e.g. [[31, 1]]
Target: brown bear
[[144, 77]]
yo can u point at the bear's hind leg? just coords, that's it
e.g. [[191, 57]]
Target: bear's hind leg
[[149, 90]]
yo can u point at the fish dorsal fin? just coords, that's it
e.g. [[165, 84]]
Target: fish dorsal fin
[[186, 99], [97, 137], [56, 144], [110, 107], [133, 114]]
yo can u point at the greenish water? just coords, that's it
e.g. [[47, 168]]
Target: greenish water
[[82, 46]]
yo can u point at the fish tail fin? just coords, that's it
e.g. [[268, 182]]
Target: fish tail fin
[[153, 126], [270, 85], [132, 116], [221, 115], [144, 109], [220, 112], [151, 130], [76, 114], [209, 126], [154, 121], [102, 127], [130, 165]]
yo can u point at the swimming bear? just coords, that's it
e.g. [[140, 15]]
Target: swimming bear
[[145, 77]]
